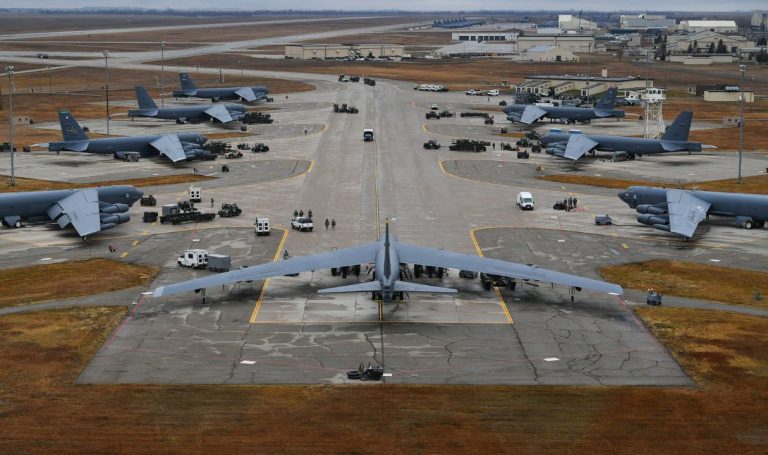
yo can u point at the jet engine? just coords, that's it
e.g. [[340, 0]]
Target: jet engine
[[651, 209], [108, 221], [112, 208], [653, 220]]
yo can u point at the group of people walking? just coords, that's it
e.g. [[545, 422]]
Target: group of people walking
[[328, 223]]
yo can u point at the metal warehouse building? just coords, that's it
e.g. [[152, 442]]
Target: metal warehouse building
[[334, 51]]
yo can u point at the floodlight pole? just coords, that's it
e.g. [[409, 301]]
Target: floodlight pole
[[589, 61], [9, 70], [162, 74], [106, 83], [743, 70]]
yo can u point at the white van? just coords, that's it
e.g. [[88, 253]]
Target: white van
[[525, 200]]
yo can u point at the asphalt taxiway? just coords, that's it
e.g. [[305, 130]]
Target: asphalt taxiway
[[282, 331]]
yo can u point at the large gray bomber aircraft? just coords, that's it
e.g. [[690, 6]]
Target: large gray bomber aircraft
[[530, 113], [249, 94], [387, 254], [675, 139], [175, 147], [222, 113], [88, 210], [681, 211]]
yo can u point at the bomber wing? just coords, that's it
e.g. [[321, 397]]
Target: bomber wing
[[169, 146], [81, 209], [532, 113], [578, 145], [413, 254], [686, 211], [348, 256], [246, 93], [220, 113]]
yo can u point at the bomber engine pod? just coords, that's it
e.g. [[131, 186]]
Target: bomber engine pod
[[654, 210]]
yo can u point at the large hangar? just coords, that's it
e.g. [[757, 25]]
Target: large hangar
[[343, 51]]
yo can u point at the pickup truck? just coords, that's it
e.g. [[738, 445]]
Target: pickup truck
[[302, 223]]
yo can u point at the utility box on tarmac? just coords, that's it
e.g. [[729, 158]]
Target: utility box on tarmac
[[219, 262], [262, 226]]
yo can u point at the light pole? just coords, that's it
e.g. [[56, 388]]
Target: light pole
[[589, 61], [9, 70], [106, 83], [743, 70], [162, 74]]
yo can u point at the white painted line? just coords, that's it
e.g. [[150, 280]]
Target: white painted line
[[714, 260], [46, 259], [551, 359], [247, 362], [387, 375], [561, 240]]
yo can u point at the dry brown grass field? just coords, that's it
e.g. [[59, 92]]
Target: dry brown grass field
[[691, 280], [25, 184], [43, 410], [24, 285]]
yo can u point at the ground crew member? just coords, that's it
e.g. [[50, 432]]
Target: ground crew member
[[327, 223], [286, 255], [494, 146], [301, 212], [333, 224], [295, 213], [309, 214], [305, 131], [574, 202], [211, 202]]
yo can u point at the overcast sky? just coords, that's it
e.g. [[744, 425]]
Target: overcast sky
[[407, 5]]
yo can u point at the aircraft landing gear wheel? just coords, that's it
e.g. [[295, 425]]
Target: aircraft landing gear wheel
[[17, 224], [748, 225]]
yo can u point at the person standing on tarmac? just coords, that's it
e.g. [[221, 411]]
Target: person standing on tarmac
[[286, 255], [333, 224], [211, 202], [309, 214], [327, 223], [295, 213]]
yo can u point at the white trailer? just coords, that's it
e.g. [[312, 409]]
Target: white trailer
[[195, 194]]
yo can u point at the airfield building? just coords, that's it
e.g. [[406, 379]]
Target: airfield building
[[581, 84], [548, 53], [571, 42], [715, 26]]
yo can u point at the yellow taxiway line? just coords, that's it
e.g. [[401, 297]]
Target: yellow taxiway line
[[502, 303], [257, 307]]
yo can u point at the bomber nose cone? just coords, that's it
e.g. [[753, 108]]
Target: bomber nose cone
[[139, 194]]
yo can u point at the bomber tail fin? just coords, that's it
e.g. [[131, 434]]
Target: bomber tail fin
[[608, 100], [145, 101], [679, 129], [70, 129], [186, 82]]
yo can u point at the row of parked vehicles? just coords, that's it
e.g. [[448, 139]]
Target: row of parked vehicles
[[473, 92]]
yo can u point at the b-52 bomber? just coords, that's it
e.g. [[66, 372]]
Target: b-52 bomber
[[249, 94], [223, 113], [675, 139], [88, 210], [387, 254], [530, 113], [681, 211], [175, 147]]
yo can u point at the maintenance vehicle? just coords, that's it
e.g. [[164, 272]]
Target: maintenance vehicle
[[148, 201], [603, 220], [149, 217], [434, 107], [260, 148], [468, 145], [183, 212], [447, 114], [369, 81], [525, 200], [257, 117], [194, 258], [216, 147], [368, 135], [653, 298], [229, 209], [431, 145], [262, 226], [432, 115], [302, 223], [232, 155]]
